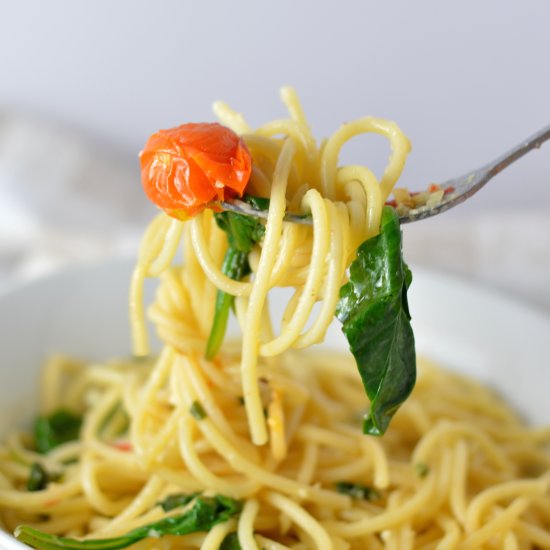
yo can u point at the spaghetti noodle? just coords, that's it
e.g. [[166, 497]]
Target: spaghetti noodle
[[262, 443]]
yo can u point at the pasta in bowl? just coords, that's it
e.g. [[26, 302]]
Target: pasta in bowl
[[259, 443]]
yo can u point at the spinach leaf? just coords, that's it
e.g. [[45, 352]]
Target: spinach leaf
[[422, 469], [176, 501], [243, 232], [38, 478], [375, 318], [202, 516], [231, 542], [197, 411], [357, 491], [235, 265], [54, 429], [259, 203]]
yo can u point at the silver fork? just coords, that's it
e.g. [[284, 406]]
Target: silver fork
[[461, 188]]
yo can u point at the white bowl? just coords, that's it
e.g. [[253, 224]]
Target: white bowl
[[84, 312]]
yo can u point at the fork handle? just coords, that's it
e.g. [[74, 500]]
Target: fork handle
[[532, 142], [471, 183]]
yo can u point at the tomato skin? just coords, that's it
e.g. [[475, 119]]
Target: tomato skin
[[186, 167]]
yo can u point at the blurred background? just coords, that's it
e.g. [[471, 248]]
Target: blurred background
[[82, 86]]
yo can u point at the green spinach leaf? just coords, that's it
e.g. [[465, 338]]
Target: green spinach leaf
[[375, 318], [357, 491], [201, 516], [243, 232], [177, 501], [422, 469], [38, 478], [231, 542], [54, 429]]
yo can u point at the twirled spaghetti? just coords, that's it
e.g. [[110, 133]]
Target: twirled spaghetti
[[345, 204], [268, 423]]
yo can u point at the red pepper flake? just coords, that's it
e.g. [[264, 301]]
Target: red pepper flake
[[448, 190], [124, 446]]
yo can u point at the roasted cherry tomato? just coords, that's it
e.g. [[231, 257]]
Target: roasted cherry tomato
[[185, 168]]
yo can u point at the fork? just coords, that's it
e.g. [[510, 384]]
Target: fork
[[458, 189]]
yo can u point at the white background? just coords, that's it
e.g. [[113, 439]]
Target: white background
[[465, 81]]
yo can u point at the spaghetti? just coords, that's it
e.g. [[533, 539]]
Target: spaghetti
[[345, 205], [261, 446]]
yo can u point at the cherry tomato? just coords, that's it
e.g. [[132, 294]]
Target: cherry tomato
[[185, 168]]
